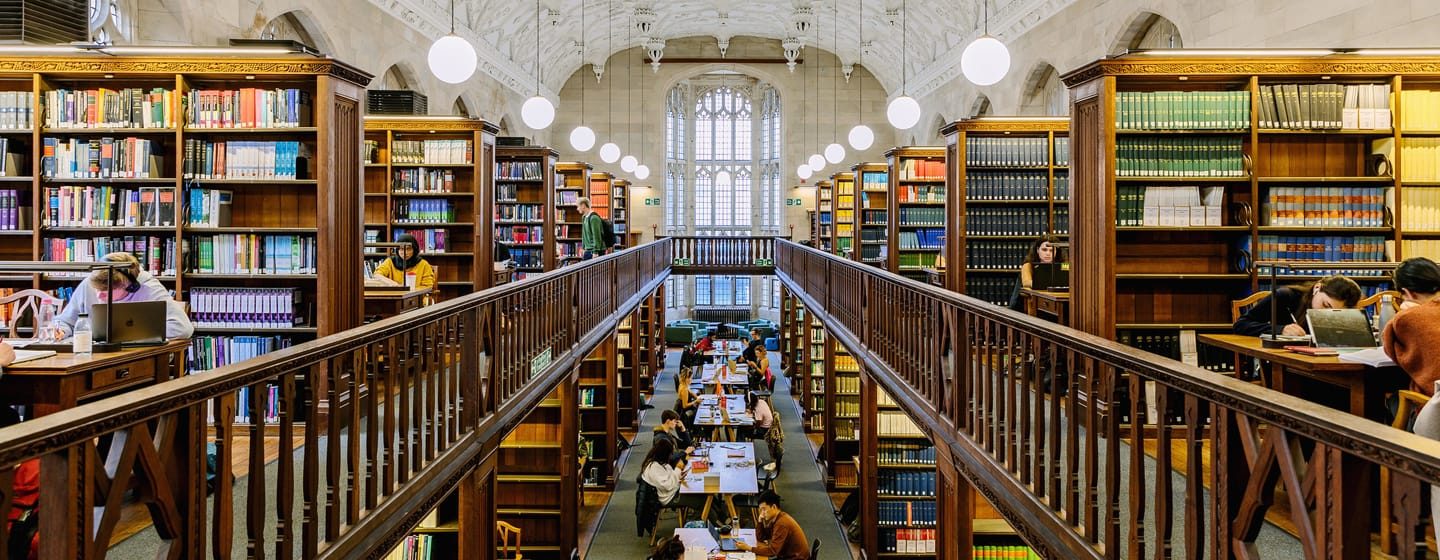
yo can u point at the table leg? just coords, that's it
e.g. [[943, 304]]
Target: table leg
[[705, 512], [730, 503]]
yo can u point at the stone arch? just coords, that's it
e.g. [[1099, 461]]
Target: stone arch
[[1043, 92], [297, 25], [1147, 30], [980, 107], [398, 76], [460, 107]]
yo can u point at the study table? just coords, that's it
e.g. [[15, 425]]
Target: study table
[[702, 539], [710, 374], [383, 303], [1047, 304], [55, 383], [725, 348], [731, 471], [709, 414]]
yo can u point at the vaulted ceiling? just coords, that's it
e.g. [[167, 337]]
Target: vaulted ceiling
[[504, 31]]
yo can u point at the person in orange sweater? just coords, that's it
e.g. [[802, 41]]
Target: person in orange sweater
[[1415, 330], [781, 538]]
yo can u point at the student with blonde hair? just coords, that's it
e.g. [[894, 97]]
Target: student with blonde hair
[[122, 284]]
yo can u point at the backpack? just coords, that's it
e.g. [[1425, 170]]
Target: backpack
[[607, 232]]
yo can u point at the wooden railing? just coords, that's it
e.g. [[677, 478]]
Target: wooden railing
[[1036, 417], [419, 403], [723, 255]]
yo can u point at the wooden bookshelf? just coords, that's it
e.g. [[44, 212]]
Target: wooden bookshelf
[[842, 415], [823, 230], [620, 210], [917, 221], [652, 342], [629, 353], [538, 473], [571, 183], [597, 392], [814, 383], [1140, 275], [872, 213], [794, 331], [843, 184], [1011, 178], [897, 480], [525, 183], [431, 160], [601, 184]]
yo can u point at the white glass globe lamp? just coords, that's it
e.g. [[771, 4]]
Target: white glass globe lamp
[[804, 171], [817, 162], [642, 172], [903, 112], [834, 153], [861, 137], [985, 61], [452, 59], [537, 112], [609, 153], [582, 138], [629, 163]]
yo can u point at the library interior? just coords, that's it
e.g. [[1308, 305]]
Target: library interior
[[633, 279]]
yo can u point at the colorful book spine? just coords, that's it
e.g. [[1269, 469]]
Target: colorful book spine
[[108, 108], [248, 108]]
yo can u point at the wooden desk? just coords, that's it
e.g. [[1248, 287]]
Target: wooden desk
[[736, 475], [702, 539], [1044, 303], [1365, 386], [59, 382], [934, 276], [389, 303], [708, 414]]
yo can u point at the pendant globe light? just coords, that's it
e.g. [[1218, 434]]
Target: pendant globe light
[[835, 153], [861, 137], [452, 59], [816, 160], [986, 60], [642, 171], [629, 163], [537, 112], [610, 151], [582, 138], [904, 111], [804, 171]]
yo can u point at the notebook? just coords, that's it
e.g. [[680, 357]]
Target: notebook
[[28, 355], [1340, 328]]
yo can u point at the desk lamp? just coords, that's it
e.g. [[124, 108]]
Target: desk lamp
[[1274, 340], [64, 266]]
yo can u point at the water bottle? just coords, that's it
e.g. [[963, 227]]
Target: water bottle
[[1387, 310], [81, 337], [45, 321]]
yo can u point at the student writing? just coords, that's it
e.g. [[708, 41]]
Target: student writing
[[1292, 302], [127, 284], [407, 261]]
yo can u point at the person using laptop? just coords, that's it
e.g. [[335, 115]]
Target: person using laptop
[[667, 474], [1414, 333], [1293, 302], [779, 536], [127, 283], [1042, 251]]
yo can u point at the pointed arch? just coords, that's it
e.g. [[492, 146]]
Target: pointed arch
[[1043, 92], [980, 107], [297, 25], [398, 76], [1147, 30]]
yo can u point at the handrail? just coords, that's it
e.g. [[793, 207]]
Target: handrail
[[427, 388], [721, 255], [1026, 408]]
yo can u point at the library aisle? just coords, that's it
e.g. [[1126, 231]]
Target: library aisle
[[801, 486]]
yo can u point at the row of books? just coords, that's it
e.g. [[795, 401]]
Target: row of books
[[1420, 247], [991, 289], [875, 181], [431, 240], [1007, 152], [910, 513], [995, 255], [520, 234], [418, 211], [566, 249], [916, 260], [1420, 159], [156, 254], [1061, 217], [1169, 206], [109, 108], [100, 158], [1325, 106], [234, 159], [1422, 110], [566, 198], [414, 547], [431, 152], [519, 213], [907, 541], [1011, 552], [248, 253], [872, 253], [922, 216], [14, 210], [847, 384], [17, 110], [238, 308], [592, 396], [894, 424], [1329, 248], [874, 217], [846, 408], [1062, 151], [920, 193], [517, 171], [1179, 345], [12, 158], [1008, 185], [421, 180], [269, 412], [528, 257], [1007, 221], [844, 361], [1209, 156], [922, 169], [894, 453], [103, 206], [928, 238], [1161, 110], [1324, 206], [206, 208], [248, 108]]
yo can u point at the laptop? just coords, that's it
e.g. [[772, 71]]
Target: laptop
[[1340, 328], [138, 323], [726, 544], [1050, 276]]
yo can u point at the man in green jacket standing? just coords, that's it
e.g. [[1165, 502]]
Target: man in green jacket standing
[[592, 231]]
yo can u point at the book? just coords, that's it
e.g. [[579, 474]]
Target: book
[[1313, 351], [1196, 110], [1373, 357]]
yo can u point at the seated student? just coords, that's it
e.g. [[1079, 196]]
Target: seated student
[[671, 430], [661, 470], [686, 401], [128, 284], [1292, 302], [1413, 334], [404, 262], [759, 408], [1042, 251], [779, 536], [669, 548]]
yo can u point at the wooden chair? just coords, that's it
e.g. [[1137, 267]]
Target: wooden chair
[[27, 300], [1238, 308], [506, 530], [1394, 533], [1371, 305]]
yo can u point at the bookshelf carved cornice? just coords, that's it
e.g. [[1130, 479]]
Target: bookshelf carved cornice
[[380, 123], [1185, 66], [1058, 125], [168, 65]]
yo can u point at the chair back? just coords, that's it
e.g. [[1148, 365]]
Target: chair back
[[815, 549], [1371, 305], [505, 530], [14, 307], [1240, 306]]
